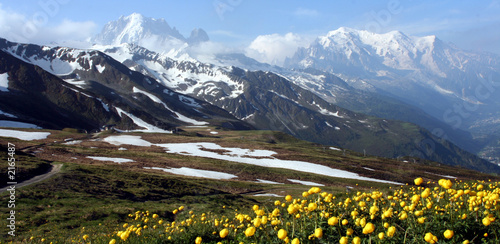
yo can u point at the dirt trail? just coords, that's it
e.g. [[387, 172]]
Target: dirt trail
[[55, 169]]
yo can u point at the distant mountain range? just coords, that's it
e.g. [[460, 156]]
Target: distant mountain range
[[121, 81], [458, 87]]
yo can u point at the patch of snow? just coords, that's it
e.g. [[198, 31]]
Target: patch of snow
[[73, 142], [197, 173], [75, 82], [100, 68], [267, 195], [336, 149], [267, 182], [337, 128], [141, 123], [116, 160], [7, 114], [127, 140], [4, 82], [189, 101], [306, 183], [368, 168], [159, 101], [24, 135], [255, 157], [105, 106], [122, 149], [214, 132]]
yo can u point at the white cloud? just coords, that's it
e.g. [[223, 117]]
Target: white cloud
[[39, 28], [274, 48]]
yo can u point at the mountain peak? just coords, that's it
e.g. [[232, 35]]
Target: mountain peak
[[153, 34], [198, 35]]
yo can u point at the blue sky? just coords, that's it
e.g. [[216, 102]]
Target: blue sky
[[472, 25]]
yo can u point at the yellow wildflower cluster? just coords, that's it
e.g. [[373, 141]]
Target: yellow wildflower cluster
[[448, 211]]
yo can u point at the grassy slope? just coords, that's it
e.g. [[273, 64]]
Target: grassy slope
[[87, 193]]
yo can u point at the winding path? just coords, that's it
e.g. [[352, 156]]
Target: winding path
[[55, 169]]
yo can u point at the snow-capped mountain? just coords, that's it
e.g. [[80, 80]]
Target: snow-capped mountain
[[424, 71], [124, 97], [273, 101], [154, 34]]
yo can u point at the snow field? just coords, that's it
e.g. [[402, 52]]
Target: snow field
[[116, 160], [24, 135], [241, 155]]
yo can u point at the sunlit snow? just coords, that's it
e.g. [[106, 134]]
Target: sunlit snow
[[306, 183], [4, 82], [116, 160], [24, 135], [261, 158], [196, 173], [159, 101], [141, 123]]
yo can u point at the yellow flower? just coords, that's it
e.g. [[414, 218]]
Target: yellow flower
[[288, 198], [155, 216], [282, 234], [250, 231], [369, 228], [486, 221], [403, 215], [197, 240], [296, 241], [85, 237], [345, 222], [430, 238], [448, 234], [381, 235], [113, 241], [257, 222], [312, 206], [223, 233], [344, 240], [390, 231], [446, 184], [418, 181], [356, 240], [349, 231], [333, 221], [466, 242], [318, 233], [421, 220]]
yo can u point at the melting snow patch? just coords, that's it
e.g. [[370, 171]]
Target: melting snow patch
[[100, 68], [196, 173], [336, 149], [267, 182], [179, 116], [254, 157], [24, 135], [116, 160], [214, 132], [4, 82], [72, 142], [306, 183], [142, 123], [127, 140], [122, 149], [7, 114], [267, 195]]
